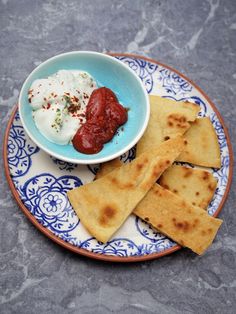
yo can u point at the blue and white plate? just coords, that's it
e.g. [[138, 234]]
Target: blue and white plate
[[39, 182]]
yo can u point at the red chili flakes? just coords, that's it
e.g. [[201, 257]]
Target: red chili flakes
[[74, 98], [73, 108], [47, 106]]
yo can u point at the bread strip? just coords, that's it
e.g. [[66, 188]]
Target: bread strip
[[103, 205], [188, 225]]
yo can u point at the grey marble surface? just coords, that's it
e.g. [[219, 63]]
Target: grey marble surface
[[197, 37]]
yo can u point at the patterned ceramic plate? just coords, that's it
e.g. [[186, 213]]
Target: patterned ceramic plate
[[39, 182]]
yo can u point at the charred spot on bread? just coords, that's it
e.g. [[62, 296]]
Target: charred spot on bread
[[181, 225], [139, 166], [114, 180], [187, 172], [128, 185], [177, 120], [205, 175], [108, 212], [211, 187]]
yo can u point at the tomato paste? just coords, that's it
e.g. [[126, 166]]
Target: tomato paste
[[104, 115]]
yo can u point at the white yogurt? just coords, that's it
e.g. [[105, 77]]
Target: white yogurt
[[59, 103]]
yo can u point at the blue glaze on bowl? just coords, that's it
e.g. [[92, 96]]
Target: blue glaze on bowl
[[109, 72]]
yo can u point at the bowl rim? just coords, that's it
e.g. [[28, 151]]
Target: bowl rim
[[98, 159]]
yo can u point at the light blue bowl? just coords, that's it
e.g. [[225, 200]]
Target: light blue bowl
[[109, 72]]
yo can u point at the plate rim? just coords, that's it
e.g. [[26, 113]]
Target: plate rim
[[99, 256]]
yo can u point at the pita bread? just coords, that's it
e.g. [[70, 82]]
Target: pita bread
[[196, 186], [174, 216], [103, 205], [168, 119], [202, 147], [188, 225]]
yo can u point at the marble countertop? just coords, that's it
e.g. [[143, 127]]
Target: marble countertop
[[198, 38]]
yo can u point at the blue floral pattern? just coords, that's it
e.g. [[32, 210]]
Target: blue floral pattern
[[63, 165], [128, 156], [93, 168], [148, 231], [45, 197], [119, 247], [43, 181], [20, 151], [173, 83], [143, 69]]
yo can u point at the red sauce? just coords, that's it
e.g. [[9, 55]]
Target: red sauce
[[104, 115]]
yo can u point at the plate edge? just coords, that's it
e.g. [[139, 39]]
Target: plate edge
[[110, 258]]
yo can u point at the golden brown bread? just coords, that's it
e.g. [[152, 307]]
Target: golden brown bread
[[196, 186], [103, 205], [172, 215], [202, 147], [168, 119], [188, 225]]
